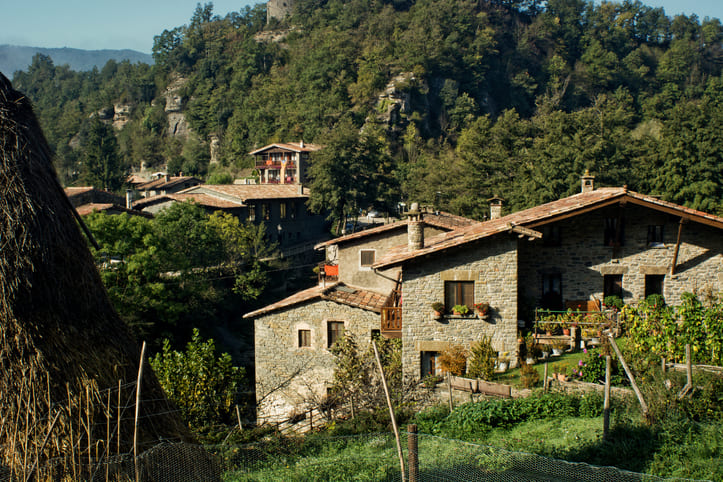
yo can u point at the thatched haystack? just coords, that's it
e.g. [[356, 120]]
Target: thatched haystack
[[64, 351]]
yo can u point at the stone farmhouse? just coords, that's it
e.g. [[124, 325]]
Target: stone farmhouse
[[293, 336], [283, 163], [575, 250]]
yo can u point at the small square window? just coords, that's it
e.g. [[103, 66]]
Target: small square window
[[654, 284], [613, 285], [304, 338], [334, 331], [366, 257], [614, 231], [551, 235], [655, 235]]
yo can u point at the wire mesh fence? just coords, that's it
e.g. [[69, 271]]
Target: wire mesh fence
[[371, 457]]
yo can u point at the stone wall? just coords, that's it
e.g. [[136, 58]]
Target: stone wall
[[582, 259], [492, 265], [349, 257], [288, 378]]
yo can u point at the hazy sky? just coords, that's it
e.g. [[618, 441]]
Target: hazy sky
[[131, 24]]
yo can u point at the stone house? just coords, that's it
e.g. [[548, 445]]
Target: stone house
[[579, 249], [283, 163], [294, 367], [600, 242], [165, 184]]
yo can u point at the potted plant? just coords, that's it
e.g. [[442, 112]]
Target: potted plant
[[531, 348], [483, 310], [559, 346], [437, 309], [460, 310], [503, 361]]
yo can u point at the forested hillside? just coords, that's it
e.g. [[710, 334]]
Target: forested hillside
[[438, 101]]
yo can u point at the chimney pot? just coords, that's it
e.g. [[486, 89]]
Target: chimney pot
[[588, 182], [415, 228], [495, 207]]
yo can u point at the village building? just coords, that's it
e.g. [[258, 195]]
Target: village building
[[165, 184], [566, 253], [280, 207], [283, 163], [294, 367], [87, 200]]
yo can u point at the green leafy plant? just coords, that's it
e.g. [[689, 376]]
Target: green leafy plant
[[529, 376], [460, 309], [438, 307], [614, 301], [203, 385], [482, 359]]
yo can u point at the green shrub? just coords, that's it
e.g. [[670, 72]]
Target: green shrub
[[614, 301], [482, 359], [529, 376], [591, 405]]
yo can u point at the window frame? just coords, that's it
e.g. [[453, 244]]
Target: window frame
[[548, 280], [656, 236], [368, 265], [458, 293], [331, 332], [612, 235], [613, 285], [265, 211], [282, 210], [303, 338], [552, 235], [252, 212], [650, 281]]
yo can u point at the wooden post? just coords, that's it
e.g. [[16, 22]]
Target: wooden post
[[391, 411], [544, 383], [643, 405], [138, 407], [238, 418], [606, 401], [413, 453], [663, 365], [311, 419], [688, 372], [449, 387], [118, 413], [677, 246]]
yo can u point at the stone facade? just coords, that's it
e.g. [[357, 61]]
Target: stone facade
[[289, 377], [348, 257], [492, 266], [582, 259]]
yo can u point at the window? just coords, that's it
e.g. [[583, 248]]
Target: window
[[430, 363], [654, 284], [551, 235], [655, 235], [614, 228], [613, 285], [376, 334], [265, 212], [552, 291], [366, 257], [458, 293], [252, 212], [304, 338], [282, 210], [334, 331]]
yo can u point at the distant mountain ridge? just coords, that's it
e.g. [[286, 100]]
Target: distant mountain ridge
[[15, 57]]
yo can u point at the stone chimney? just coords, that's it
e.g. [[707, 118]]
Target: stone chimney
[[588, 182], [168, 178], [415, 228], [495, 207], [129, 199]]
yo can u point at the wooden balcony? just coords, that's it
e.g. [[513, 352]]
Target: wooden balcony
[[392, 322]]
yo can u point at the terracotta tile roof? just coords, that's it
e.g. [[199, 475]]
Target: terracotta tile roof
[[440, 220], [249, 192], [162, 183], [86, 209], [289, 146], [338, 292], [544, 213], [74, 191], [202, 199]]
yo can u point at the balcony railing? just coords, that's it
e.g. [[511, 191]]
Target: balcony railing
[[392, 321], [274, 164]]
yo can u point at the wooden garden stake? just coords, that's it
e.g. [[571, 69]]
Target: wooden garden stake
[[135, 421], [606, 402], [391, 411], [643, 405]]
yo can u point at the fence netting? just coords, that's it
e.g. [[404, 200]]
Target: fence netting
[[371, 457]]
